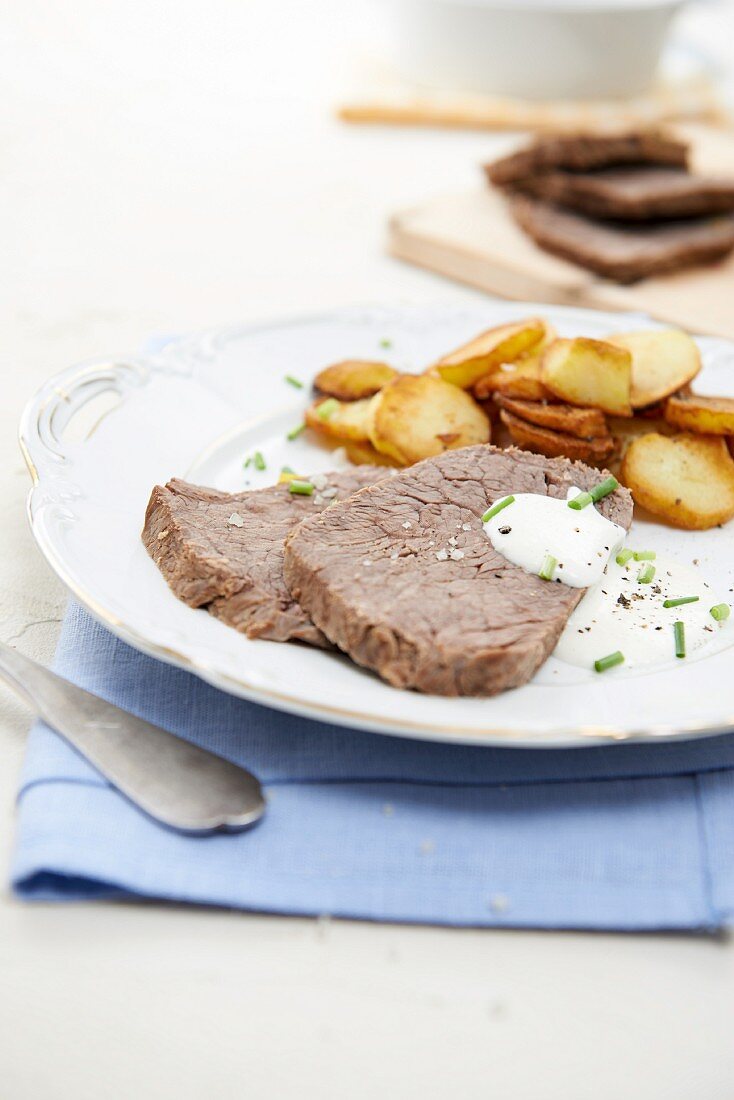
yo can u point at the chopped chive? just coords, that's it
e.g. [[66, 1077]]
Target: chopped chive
[[258, 460], [295, 432], [680, 601], [497, 508], [679, 632], [644, 555], [287, 470], [289, 378], [646, 574], [624, 556], [610, 661], [598, 492], [580, 501], [604, 488], [327, 408], [546, 569], [385, 343], [247, 462], [720, 612], [301, 488]]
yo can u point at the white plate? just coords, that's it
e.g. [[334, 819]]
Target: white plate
[[202, 404]]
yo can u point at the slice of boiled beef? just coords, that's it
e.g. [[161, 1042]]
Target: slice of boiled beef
[[224, 551], [402, 577]]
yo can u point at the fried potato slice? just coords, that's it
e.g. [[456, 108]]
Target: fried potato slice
[[544, 441], [364, 454], [485, 352], [663, 360], [584, 423], [416, 416], [354, 379], [685, 479], [343, 420], [588, 372], [521, 380], [705, 415]]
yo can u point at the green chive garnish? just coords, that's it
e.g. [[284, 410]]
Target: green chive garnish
[[646, 574], [295, 432], [603, 489], [679, 631], [680, 601], [300, 488], [613, 659], [580, 501], [247, 462], [293, 381], [385, 343], [287, 470], [259, 461], [497, 508], [327, 408], [720, 612], [546, 569], [624, 556], [644, 555]]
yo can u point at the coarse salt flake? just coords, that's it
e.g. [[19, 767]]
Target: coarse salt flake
[[235, 520], [442, 555], [456, 555]]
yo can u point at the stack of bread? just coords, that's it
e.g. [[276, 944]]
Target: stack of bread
[[625, 206]]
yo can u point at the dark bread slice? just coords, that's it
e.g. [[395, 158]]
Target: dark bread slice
[[623, 253], [638, 193], [581, 152]]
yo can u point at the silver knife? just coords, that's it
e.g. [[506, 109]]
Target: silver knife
[[178, 784]]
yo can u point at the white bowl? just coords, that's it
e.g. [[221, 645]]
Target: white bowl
[[533, 49]]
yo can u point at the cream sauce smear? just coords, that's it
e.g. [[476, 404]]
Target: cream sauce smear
[[618, 612]]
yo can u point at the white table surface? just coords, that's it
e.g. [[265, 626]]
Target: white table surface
[[166, 166]]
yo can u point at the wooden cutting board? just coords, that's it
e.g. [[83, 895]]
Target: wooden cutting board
[[472, 238]]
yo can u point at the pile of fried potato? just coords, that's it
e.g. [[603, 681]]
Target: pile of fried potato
[[624, 401]]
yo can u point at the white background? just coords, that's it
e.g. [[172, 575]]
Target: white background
[[171, 165]]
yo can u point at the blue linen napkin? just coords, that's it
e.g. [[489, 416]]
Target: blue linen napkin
[[361, 825]]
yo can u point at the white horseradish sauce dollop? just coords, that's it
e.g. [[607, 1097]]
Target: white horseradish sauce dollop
[[534, 526]]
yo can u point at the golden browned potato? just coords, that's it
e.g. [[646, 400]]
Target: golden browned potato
[[485, 352], [706, 415], [663, 360], [343, 420], [364, 454], [584, 423], [544, 441], [588, 372], [521, 380], [354, 379], [685, 479], [416, 416]]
